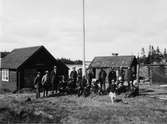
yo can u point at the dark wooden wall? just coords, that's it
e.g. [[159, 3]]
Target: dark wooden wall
[[29, 75], [40, 61]]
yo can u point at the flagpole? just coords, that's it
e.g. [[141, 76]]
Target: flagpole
[[83, 66]]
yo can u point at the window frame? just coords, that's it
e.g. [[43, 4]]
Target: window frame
[[5, 75]]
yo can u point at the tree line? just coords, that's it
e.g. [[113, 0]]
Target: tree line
[[154, 55], [69, 61]]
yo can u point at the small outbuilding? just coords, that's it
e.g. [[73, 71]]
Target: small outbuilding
[[156, 73], [18, 69], [106, 62]]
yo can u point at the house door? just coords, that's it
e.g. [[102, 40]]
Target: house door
[[29, 75]]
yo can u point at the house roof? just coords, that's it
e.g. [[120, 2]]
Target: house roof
[[112, 61], [18, 56], [3, 54]]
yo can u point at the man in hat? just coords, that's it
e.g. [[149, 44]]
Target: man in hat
[[89, 76], [45, 83], [37, 83], [73, 76], [128, 76], [79, 77], [54, 79], [121, 74], [102, 78], [111, 77]]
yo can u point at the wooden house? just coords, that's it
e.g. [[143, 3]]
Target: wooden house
[[106, 62], [18, 69]]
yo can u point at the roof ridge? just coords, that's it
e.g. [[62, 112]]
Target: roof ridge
[[117, 56], [27, 47], [112, 61], [11, 61]]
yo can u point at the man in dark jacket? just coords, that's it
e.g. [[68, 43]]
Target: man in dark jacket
[[37, 83], [89, 76], [79, 77], [112, 77], [122, 74], [128, 76], [54, 79], [102, 78], [73, 76]]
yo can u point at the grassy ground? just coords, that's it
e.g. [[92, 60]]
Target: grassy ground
[[70, 109]]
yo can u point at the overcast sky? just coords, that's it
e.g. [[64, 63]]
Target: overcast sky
[[122, 26]]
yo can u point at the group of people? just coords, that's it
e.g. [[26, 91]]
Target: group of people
[[57, 84], [46, 82], [123, 80], [118, 81]]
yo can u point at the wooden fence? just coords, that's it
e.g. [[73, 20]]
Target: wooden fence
[[156, 74]]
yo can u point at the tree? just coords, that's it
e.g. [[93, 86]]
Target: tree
[[158, 50], [151, 54], [68, 61], [142, 59], [165, 53], [143, 54], [150, 50], [154, 55]]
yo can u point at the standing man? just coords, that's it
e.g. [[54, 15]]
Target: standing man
[[37, 83], [54, 79], [79, 80], [133, 76], [121, 74], [128, 76], [45, 83], [102, 78], [73, 76], [112, 77], [89, 76]]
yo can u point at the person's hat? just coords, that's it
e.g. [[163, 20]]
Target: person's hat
[[38, 72]]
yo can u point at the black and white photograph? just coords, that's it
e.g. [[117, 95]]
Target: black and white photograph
[[83, 61]]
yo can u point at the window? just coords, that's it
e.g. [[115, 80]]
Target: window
[[5, 75]]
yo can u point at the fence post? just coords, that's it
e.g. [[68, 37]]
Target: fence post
[[151, 71], [150, 74], [138, 73]]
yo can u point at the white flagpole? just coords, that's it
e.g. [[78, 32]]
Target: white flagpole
[[83, 68]]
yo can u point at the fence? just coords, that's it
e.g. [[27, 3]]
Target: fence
[[156, 74]]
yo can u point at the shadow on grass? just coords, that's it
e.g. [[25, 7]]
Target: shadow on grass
[[57, 95], [145, 92]]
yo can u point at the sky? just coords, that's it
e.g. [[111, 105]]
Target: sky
[[112, 26]]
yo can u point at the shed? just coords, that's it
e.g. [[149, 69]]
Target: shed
[[157, 74], [106, 62], [18, 69]]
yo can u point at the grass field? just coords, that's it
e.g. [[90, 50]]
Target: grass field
[[70, 109]]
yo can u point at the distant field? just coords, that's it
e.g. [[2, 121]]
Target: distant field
[[146, 109]]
